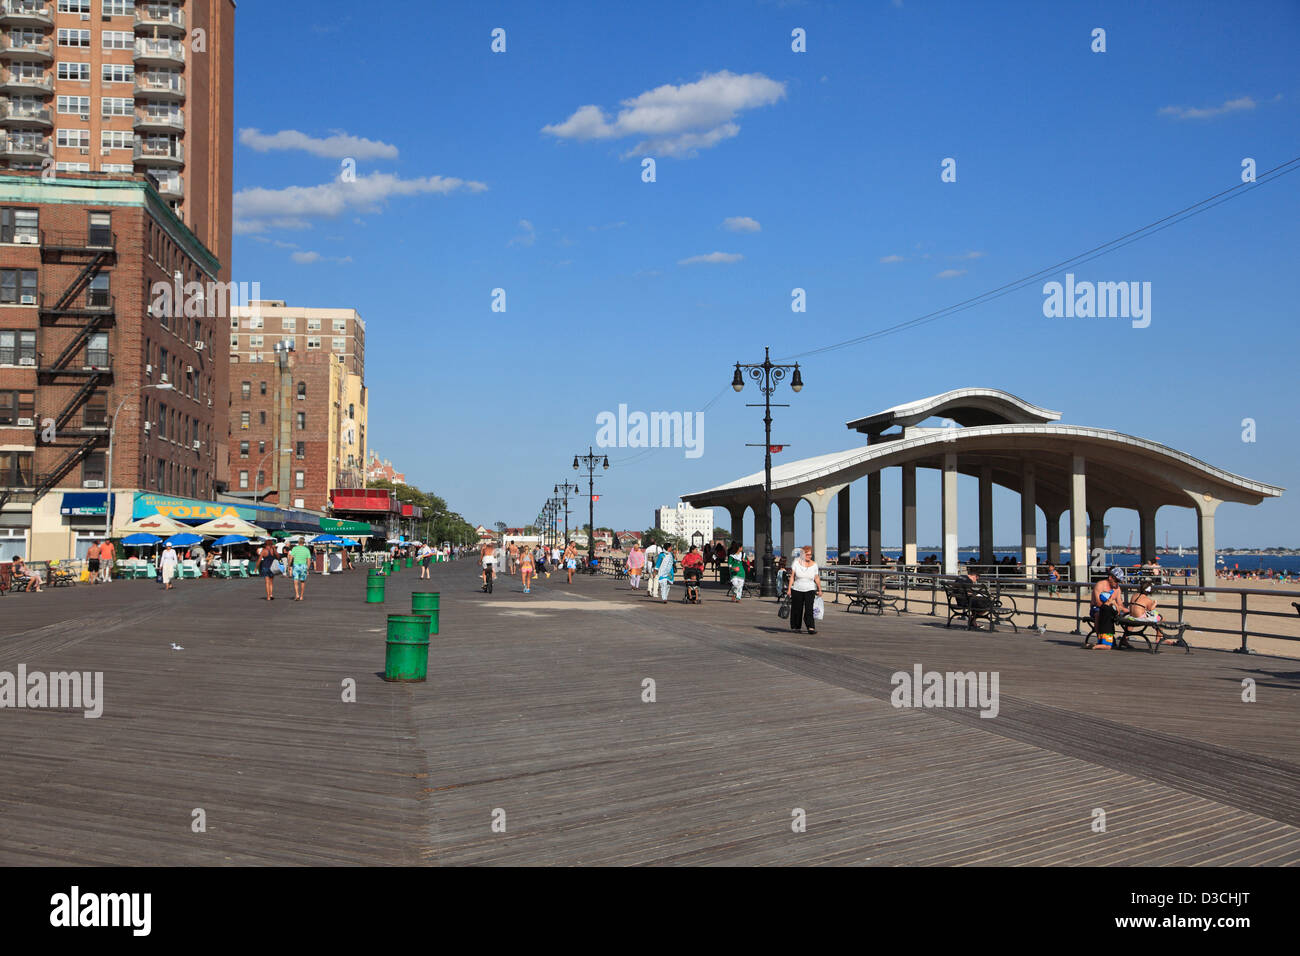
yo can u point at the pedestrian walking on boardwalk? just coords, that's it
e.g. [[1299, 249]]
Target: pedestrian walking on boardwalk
[[804, 585], [570, 560], [736, 565], [266, 567], [652, 571], [169, 561], [300, 557], [664, 571], [635, 562], [526, 568]]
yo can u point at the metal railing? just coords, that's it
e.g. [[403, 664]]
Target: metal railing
[[922, 593]]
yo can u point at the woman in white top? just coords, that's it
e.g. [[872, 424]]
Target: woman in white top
[[805, 583]]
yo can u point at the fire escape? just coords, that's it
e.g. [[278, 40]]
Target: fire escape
[[84, 310]]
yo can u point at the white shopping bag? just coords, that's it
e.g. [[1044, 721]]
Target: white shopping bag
[[819, 608]]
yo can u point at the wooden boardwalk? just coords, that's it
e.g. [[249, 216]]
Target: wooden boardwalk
[[534, 707]]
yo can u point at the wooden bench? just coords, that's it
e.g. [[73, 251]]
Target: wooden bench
[[993, 607], [875, 598]]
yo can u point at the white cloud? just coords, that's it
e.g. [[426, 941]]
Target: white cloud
[[1209, 112], [712, 257], [676, 120], [529, 236], [258, 209], [893, 258], [969, 255], [741, 224], [307, 258], [337, 146], [950, 273]]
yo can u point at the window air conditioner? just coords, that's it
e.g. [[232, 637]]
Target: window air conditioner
[[26, 240], [148, 370], [27, 300], [163, 377], [92, 483], [26, 423], [189, 370], [197, 445], [27, 361], [198, 346], [103, 151], [147, 427]]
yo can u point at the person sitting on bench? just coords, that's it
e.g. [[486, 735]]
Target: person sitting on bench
[[1143, 609], [22, 573], [977, 597], [1107, 605]]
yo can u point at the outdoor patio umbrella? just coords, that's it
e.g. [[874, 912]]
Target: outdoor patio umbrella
[[327, 539], [140, 540], [229, 540], [183, 540], [160, 525], [229, 525]]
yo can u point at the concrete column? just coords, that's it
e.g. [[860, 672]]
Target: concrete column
[[820, 504], [1205, 556], [737, 524], [1028, 520], [845, 530], [1096, 532], [874, 555], [950, 513], [786, 510], [909, 514], [1147, 532], [1078, 519], [986, 515], [1053, 536]]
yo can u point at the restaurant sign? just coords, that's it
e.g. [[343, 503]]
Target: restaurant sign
[[148, 504]]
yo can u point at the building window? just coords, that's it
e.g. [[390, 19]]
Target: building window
[[16, 469], [15, 405], [300, 450], [116, 139], [339, 345], [92, 468], [313, 342], [263, 388], [97, 291], [100, 232], [243, 449], [246, 389], [340, 325], [300, 479], [18, 286], [74, 105], [261, 447], [234, 341], [313, 325], [243, 480], [117, 72], [288, 325], [117, 39], [71, 37], [302, 390], [243, 420], [74, 6], [15, 347], [18, 225], [254, 341], [261, 479], [261, 418], [72, 138], [302, 421], [117, 8], [97, 350], [116, 106]]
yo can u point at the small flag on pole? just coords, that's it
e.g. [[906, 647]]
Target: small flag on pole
[[775, 448], [595, 497]]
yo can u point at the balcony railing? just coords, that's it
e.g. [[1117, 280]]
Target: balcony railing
[[11, 115], [18, 46], [89, 239], [164, 51], [26, 148], [169, 154], [31, 13], [22, 83], [161, 17], [160, 85], [149, 119], [171, 187]]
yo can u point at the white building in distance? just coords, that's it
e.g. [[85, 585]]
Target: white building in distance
[[683, 521]]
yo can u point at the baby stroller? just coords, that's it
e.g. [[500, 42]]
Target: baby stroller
[[693, 576]]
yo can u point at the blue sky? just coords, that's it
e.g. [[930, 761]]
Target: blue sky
[[818, 170]]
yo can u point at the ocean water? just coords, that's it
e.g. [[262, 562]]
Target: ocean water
[[1279, 563]]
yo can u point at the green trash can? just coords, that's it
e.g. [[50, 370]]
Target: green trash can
[[375, 583], [408, 562], [407, 654], [426, 602]]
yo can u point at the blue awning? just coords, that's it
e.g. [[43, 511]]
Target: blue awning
[[84, 503]]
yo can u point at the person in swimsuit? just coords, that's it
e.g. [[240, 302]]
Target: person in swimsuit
[[526, 568], [266, 568], [1107, 605], [571, 560]]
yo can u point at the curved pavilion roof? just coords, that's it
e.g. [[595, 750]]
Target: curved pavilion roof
[[1122, 470]]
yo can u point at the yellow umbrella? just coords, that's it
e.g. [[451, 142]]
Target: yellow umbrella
[[160, 525]]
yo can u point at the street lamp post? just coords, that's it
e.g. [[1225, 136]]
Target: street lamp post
[[767, 375], [590, 460], [564, 489], [112, 431]]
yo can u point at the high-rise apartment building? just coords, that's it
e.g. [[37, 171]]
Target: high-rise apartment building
[[685, 522], [116, 86], [298, 401]]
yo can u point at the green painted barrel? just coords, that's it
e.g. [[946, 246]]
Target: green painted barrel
[[375, 573], [426, 602], [375, 589], [407, 655], [408, 562]]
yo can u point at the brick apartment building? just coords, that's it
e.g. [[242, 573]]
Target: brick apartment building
[[81, 258], [298, 414]]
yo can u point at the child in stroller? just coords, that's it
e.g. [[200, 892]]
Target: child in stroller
[[693, 570]]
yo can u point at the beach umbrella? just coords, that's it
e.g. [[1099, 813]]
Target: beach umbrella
[[140, 540], [230, 539], [349, 543], [327, 539], [183, 540]]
